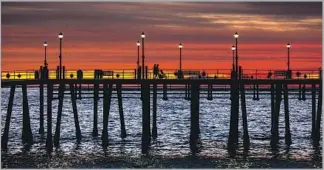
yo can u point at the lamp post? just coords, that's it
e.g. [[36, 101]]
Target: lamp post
[[60, 36], [180, 66], [288, 47], [143, 66], [233, 65], [138, 46], [288, 63], [236, 37], [45, 62]]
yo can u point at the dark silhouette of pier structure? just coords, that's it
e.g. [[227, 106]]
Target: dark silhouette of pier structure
[[238, 86], [237, 82]]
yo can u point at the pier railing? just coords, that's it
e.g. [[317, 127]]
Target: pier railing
[[168, 74]]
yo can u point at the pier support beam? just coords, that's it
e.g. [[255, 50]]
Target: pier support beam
[[186, 92], [106, 108], [27, 136], [287, 125], [4, 138], [95, 109], [313, 110], [254, 98], [246, 139], [59, 115], [165, 94], [257, 98], [194, 123], [154, 128], [210, 92], [41, 107], [75, 114], [121, 112], [319, 113], [233, 131], [49, 143], [275, 136], [145, 117], [304, 92], [299, 92], [80, 91], [188, 88], [272, 107]]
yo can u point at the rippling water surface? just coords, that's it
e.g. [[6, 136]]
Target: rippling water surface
[[173, 122]]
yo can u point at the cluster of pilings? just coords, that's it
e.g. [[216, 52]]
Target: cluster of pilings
[[192, 93], [276, 97]]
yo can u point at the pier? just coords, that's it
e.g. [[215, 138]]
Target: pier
[[236, 85]]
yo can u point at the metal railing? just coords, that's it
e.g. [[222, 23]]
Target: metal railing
[[168, 74]]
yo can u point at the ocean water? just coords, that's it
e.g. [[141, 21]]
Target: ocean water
[[173, 124]]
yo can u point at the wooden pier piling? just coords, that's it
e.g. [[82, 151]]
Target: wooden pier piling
[[275, 136], [154, 128], [233, 130], [95, 109], [49, 143], [59, 115], [304, 92], [257, 94], [4, 138], [299, 92], [254, 90], [165, 94], [186, 92], [210, 92], [287, 123], [106, 108], [272, 107], [246, 139], [27, 136], [313, 110], [75, 114], [121, 112], [194, 119], [145, 117], [80, 97], [319, 113], [41, 107]]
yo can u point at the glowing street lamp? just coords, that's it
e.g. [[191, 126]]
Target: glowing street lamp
[[45, 62], [60, 36], [288, 47], [180, 47]]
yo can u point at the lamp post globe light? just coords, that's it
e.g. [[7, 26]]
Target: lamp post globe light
[[143, 63], [236, 35], [138, 46], [60, 36], [233, 65], [45, 45]]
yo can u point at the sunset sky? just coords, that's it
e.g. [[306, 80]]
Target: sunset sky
[[104, 34]]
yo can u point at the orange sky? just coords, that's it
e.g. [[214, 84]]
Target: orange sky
[[105, 36]]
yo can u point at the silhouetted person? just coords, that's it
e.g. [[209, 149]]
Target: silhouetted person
[[154, 71], [161, 74]]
